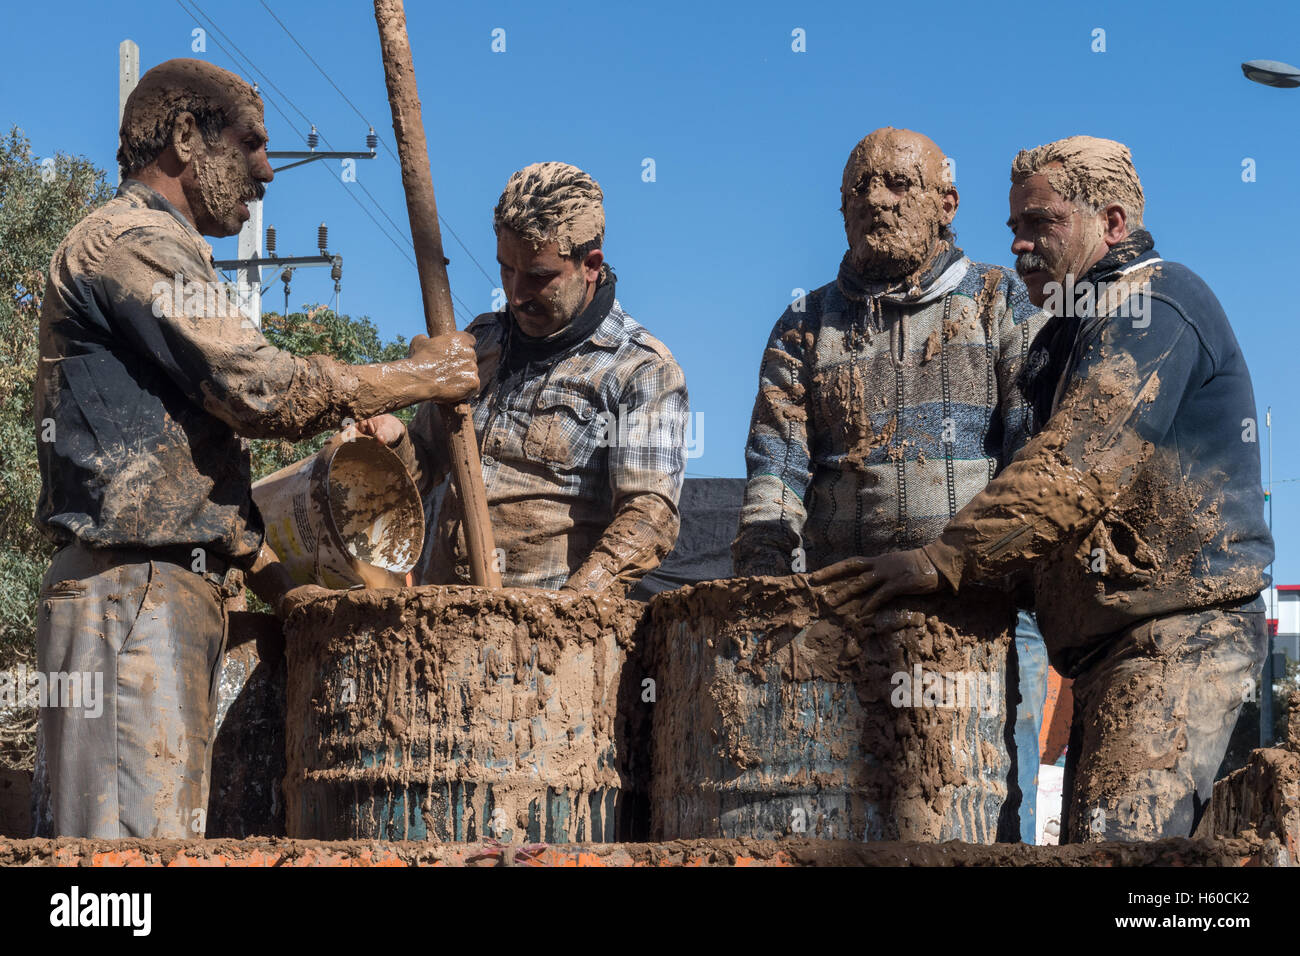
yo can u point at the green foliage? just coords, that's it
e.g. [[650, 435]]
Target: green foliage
[[39, 203], [319, 331]]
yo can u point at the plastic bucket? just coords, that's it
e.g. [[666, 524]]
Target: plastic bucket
[[349, 515]]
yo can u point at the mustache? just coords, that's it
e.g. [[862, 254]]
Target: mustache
[[1028, 262]]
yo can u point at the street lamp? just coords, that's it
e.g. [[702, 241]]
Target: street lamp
[[1271, 73]]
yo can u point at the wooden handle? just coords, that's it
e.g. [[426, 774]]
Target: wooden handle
[[422, 209]]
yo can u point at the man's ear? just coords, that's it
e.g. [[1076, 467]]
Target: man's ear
[[1116, 224], [950, 202], [185, 135], [591, 265]]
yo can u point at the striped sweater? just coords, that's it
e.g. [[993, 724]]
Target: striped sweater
[[881, 414]]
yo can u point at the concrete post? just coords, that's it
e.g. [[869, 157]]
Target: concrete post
[[128, 75], [248, 280]]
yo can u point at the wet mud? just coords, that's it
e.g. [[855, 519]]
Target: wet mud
[[458, 713], [776, 712], [793, 852]]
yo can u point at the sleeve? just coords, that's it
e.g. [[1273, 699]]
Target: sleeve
[[165, 302], [645, 477], [1125, 392], [778, 456], [1018, 323], [423, 448]]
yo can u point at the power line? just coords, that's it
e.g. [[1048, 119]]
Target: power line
[[235, 60], [382, 142]]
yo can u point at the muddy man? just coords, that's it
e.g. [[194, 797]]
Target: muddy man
[[149, 379], [887, 399], [581, 420], [1137, 508]]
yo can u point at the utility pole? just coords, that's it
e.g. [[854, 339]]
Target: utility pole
[[248, 274], [1266, 698], [128, 75]]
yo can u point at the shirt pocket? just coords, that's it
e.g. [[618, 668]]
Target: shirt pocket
[[566, 432]]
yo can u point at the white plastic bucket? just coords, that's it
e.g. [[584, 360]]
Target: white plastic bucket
[[349, 515]]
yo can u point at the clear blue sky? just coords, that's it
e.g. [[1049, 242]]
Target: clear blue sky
[[748, 138]]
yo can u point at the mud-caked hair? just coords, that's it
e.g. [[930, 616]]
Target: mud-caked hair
[[209, 93], [1092, 172], [557, 201]]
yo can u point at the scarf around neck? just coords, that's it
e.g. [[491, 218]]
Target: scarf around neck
[[523, 350], [1056, 339], [911, 288]]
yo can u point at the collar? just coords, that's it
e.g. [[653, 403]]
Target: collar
[[138, 192], [941, 274], [611, 333], [1127, 251], [522, 350]]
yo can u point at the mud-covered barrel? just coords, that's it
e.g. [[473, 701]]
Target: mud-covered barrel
[[776, 716], [458, 714]]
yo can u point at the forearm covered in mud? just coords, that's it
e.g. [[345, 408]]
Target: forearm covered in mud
[[220, 359], [642, 533], [1118, 407], [282, 396]]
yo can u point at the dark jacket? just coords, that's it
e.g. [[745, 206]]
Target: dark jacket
[[148, 376], [1141, 494]]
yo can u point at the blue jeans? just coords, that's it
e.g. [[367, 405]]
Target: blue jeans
[[1029, 719]]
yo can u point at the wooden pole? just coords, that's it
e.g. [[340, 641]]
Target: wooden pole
[[417, 179]]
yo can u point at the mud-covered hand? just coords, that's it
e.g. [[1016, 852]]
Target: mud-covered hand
[[874, 581], [268, 578], [299, 596], [450, 363], [387, 428]]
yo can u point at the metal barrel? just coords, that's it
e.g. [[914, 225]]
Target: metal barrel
[[348, 515], [775, 717], [458, 714]]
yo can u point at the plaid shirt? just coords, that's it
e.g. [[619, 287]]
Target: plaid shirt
[[583, 459], [880, 416]]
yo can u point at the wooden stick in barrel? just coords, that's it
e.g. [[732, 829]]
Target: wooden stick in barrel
[[417, 179]]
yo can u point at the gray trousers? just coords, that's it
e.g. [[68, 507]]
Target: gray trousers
[[135, 763], [1153, 713]]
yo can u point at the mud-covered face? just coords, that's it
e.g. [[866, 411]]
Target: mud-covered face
[[227, 176], [896, 203], [1053, 237], [546, 290]]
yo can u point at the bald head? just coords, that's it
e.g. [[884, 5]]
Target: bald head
[[901, 149], [216, 98], [898, 202]]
